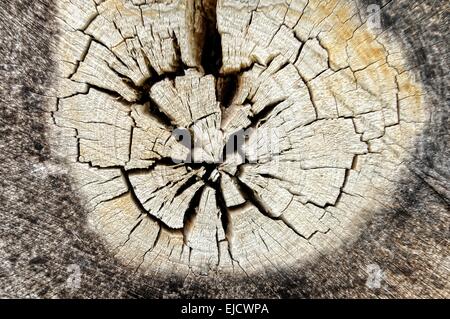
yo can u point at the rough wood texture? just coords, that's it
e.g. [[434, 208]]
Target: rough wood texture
[[345, 169]]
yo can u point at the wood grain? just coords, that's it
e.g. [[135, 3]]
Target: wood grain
[[359, 179]]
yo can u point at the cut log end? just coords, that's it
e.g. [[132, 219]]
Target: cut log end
[[221, 136]]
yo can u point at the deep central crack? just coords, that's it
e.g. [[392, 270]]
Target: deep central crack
[[201, 133]]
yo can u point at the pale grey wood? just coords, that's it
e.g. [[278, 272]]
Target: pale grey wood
[[363, 150]]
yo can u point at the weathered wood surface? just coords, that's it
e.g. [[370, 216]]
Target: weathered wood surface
[[353, 201]]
